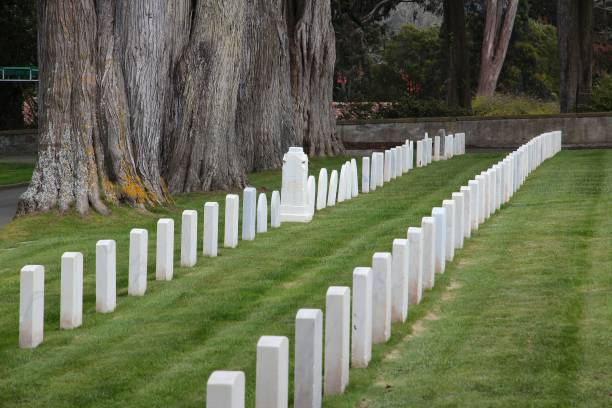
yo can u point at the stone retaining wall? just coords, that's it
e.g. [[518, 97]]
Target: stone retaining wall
[[19, 142], [579, 130]]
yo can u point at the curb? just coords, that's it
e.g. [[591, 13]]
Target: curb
[[9, 186]]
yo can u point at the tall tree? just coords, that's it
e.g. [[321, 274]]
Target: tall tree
[[313, 54], [575, 34], [499, 21], [142, 98], [455, 52]]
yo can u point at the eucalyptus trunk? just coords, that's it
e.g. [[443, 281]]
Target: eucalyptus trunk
[[496, 38]]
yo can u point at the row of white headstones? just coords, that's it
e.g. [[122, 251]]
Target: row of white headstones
[[254, 220], [382, 294]]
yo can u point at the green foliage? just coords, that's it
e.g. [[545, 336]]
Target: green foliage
[[601, 100], [14, 173], [510, 105], [532, 63]]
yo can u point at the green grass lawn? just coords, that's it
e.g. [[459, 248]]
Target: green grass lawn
[[522, 317], [15, 173]]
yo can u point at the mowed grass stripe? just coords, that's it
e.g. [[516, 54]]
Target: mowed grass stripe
[[525, 319], [159, 350]]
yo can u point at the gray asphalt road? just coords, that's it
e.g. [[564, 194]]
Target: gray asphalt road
[[8, 203]]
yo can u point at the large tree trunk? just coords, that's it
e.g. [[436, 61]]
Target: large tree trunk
[[234, 104], [66, 173], [575, 32], [195, 92], [313, 54], [455, 49], [495, 42]]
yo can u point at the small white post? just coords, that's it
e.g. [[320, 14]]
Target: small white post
[[139, 246], [459, 223], [365, 175], [275, 219], [355, 178], [272, 372], [71, 300], [249, 209], [361, 339], [439, 216], [399, 281], [211, 229], [333, 189], [449, 206], [308, 358], [387, 169], [381, 297], [467, 211], [474, 204], [189, 238], [429, 252], [232, 209], [322, 190], [31, 306], [262, 213], [436, 155], [106, 276], [374, 172], [311, 191], [225, 389], [164, 258], [415, 266], [337, 344]]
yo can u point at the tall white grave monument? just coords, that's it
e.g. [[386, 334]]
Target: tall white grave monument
[[294, 194]]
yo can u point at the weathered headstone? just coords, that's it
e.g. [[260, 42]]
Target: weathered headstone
[[474, 203], [189, 238], [275, 221], [312, 194], [361, 339], [249, 213], [459, 222], [322, 190], [164, 254], [337, 339], [467, 211], [31, 306], [419, 154], [137, 279], [436, 148], [308, 358], [355, 178], [381, 297], [373, 172], [71, 299], [232, 211], [211, 228], [381, 166], [387, 169], [393, 166], [106, 276], [294, 193], [272, 372], [365, 175], [482, 187], [429, 252], [342, 187], [439, 216], [225, 389], [333, 189], [449, 206], [399, 281], [262, 213], [415, 265]]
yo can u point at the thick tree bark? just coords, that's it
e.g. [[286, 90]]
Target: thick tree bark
[[495, 42], [66, 173], [195, 92], [313, 54], [575, 35], [455, 48]]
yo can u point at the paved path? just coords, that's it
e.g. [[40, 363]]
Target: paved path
[[8, 203]]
